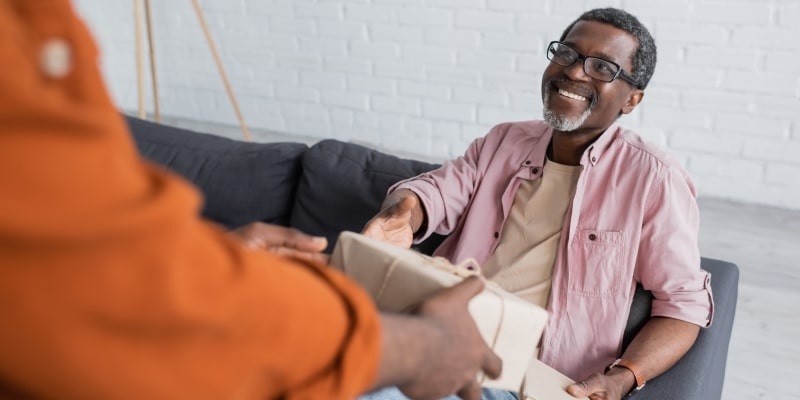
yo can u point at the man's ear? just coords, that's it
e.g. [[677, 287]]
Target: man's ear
[[633, 100]]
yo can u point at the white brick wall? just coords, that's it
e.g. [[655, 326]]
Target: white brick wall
[[428, 76]]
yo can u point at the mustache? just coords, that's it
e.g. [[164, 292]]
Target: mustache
[[552, 87]]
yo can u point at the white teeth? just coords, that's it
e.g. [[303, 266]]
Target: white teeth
[[571, 95]]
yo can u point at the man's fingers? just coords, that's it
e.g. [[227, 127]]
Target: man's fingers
[[492, 364], [467, 289], [585, 388], [471, 392]]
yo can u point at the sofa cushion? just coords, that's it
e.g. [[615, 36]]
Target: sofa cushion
[[242, 182], [343, 186]]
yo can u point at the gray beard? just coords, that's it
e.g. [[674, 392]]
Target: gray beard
[[560, 122]]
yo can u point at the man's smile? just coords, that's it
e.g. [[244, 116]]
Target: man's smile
[[572, 95]]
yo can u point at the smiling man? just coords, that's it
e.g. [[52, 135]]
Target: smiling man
[[572, 212]]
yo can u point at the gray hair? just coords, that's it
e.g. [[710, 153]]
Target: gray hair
[[644, 59]]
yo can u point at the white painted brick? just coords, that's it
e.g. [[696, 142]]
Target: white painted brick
[[681, 75], [368, 13], [347, 64], [424, 16], [715, 57], [670, 53], [528, 102], [676, 118], [287, 91], [517, 6], [304, 127], [480, 96], [533, 64], [323, 45], [759, 82], [697, 33], [508, 41], [486, 60], [340, 98], [730, 13], [306, 62], [322, 79], [446, 130], [548, 26], [496, 115], [453, 76], [396, 104], [318, 10], [571, 9], [511, 81], [428, 55], [461, 4], [714, 100], [789, 15], [660, 10], [484, 20], [272, 41], [292, 110], [772, 150], [753, 125], [409, 143], [295, 26], [424, 90], [341, 29], [277, 74], [396, 34], [776, 106], [449, 111], [663, 95], [370, 120], [417, 126], [707, 143], [765, 38], [398, 70], [783, 63], [454, 38], [373, 50], [782, 173], [726, 167], [367, 84]]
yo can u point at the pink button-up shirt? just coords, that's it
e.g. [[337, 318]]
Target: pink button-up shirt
[[634, 218]]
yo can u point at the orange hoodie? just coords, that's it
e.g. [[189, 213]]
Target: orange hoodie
[[111, 286]]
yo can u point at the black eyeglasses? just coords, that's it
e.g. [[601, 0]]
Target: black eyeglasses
[[597, 68]]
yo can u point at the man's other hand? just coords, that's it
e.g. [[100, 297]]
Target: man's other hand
[[397, 221], [604, 387], [288, 242]]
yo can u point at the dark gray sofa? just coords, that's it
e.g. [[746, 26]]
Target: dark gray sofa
[[334, 186]]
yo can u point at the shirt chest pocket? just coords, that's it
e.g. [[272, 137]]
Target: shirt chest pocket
[[595, 263]]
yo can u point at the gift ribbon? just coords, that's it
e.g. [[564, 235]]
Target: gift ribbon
[[462, 270]]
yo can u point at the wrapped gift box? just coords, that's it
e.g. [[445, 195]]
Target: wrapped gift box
[[399, 279]]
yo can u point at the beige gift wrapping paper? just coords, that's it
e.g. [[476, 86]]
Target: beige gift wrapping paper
[[399, 279]]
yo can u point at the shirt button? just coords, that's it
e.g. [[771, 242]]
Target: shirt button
[[535, 171], [496, 235], [527, 162], [56, 58], [594, 159], [592, 236]]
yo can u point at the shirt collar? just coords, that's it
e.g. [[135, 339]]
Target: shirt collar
[[595, 151]]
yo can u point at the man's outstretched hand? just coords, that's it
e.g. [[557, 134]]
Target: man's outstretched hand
[[399, 218], [282, 241]]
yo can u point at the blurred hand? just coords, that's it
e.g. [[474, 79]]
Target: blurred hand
[[604, 387], [445, 351], [396, 222], [288, 242]]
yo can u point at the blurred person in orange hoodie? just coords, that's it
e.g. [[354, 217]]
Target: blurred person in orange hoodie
[[112, 287]]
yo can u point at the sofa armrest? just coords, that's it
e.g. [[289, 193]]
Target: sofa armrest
[[700, 374]]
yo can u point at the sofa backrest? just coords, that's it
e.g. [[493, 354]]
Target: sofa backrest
[[241, 182], [343, 185]]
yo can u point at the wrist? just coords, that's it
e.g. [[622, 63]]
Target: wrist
[[627, 376]]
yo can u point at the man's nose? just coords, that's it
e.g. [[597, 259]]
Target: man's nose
[[576, 71]]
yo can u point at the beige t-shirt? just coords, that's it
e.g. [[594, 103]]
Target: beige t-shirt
[[523, 261]]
